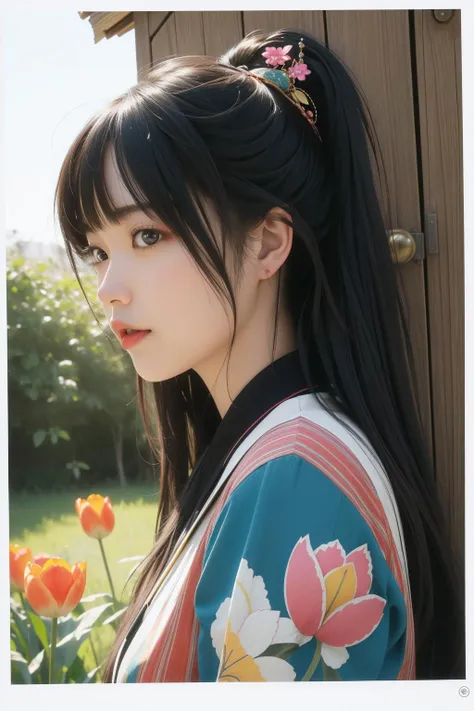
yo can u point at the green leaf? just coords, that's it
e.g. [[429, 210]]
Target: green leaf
[[66, 625], [20, 668], [114, 617], [77, 674], [39, 627], [64, 435], [91, 617], [92, 674], [280, 650], [34, 645], [19, 623], [79, 609], [77, 465], [96, 596], [19, 640], [329, 674], [54, 436], [61, 674], [36, 662], [68, 647], [39, 437]]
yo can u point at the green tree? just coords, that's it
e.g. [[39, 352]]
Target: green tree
[[63, 370]]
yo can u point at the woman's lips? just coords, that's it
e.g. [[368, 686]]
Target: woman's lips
[[128, 340]]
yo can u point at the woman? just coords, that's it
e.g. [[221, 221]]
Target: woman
[[231, 217]]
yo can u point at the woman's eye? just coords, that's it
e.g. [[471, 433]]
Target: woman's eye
[[147, 236], [141, 237], [93, 256]]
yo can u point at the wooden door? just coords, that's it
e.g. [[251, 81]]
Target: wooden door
[[407, 64]]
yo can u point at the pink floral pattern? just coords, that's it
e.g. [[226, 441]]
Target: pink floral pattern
[[327, 597]]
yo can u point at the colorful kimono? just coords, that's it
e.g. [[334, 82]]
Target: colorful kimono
[[295, 569]]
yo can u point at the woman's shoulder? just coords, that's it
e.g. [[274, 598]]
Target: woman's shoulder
[[323, 448]]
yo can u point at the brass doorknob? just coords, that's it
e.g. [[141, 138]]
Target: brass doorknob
[[402, 245]]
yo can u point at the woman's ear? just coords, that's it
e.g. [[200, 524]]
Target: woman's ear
[[272, 241]]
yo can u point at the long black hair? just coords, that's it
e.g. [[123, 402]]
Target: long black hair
[[198, 132]]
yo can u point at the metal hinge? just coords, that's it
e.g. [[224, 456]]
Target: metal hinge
[[431, 229]]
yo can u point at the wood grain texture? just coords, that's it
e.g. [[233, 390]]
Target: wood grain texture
[[375, 45], [438, 55], [165, 42], [221, 31], [210, 33], [310, 21], [155, 20], [190, 32], [142, 43]]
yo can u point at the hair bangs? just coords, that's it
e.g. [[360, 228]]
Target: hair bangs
[[149, 145]]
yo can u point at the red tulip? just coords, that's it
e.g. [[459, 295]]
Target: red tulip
[[19, 557], [96, 515], [54, 589]]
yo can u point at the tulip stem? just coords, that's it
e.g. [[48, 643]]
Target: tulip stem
[[53, 648], [94, 653], [108, 572], [22, 598], [314, 663]]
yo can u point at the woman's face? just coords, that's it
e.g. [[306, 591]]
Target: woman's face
[[149, 281]]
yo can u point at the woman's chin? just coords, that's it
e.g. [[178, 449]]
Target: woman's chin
[[155, 373]]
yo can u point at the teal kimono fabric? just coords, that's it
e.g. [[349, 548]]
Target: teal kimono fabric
[[294, 586]]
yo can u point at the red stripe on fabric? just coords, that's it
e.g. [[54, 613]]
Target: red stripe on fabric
[[298, 392], [148, 642], [143, 651], [169, 658]]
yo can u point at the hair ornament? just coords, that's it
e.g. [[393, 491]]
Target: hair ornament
[[283, 79]]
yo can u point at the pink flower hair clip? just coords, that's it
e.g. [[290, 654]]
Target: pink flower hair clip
[[283, 78]]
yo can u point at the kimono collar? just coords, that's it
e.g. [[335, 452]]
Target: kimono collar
[[280, 380]]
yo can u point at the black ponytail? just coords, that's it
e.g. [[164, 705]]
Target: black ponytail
[[365, 347]]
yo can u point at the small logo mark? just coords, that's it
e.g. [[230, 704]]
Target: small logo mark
[[464, 691]]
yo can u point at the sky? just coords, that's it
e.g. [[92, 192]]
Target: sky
[[54, 78]]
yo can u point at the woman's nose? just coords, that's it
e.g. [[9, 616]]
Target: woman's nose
[[115, 285]]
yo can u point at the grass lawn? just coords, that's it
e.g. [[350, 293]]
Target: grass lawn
[[48, 523]]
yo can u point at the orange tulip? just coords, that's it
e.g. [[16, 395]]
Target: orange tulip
[[19, 557], [54, 589], [41, 558], [96, 515]]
